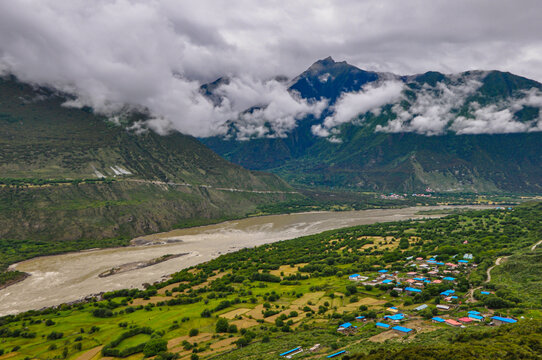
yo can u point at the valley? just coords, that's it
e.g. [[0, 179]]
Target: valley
[[257, 303]]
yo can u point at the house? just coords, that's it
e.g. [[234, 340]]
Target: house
[[336, 354], [314, 348], [432, 272], [437, 281], [447, 293], [382, 325], [412, 273], [463, 262], [347, 328], [402, 330], [421, 307], [392, 309], [448, 278], [465, 320], [436, 319], [419, 259], [395, 318], [411, 290], [419, 278], [452, 265], [387, 281], [383, 271], [498, 320], [410, 281], [477, 318], [485, 292], [443, 307], [452, 322], [361, 318], [354, 277], [398, 289], [292, 352]]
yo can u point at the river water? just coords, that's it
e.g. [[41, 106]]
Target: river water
[[68, 277]]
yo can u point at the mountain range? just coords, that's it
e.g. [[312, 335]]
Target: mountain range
[[476, 131]]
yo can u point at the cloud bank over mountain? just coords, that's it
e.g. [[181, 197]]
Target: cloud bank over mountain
[[156, 54]]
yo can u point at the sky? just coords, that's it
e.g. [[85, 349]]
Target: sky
[[156, 54]]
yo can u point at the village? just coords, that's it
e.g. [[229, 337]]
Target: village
[[394, 321]]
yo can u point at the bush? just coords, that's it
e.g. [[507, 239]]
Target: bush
[[193, 332], [102, 313], [49, 322], [55, 335], [155, 346], [222, 325]]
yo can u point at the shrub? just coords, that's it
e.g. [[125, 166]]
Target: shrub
[[155, 346], [222, 325], [193, 332]]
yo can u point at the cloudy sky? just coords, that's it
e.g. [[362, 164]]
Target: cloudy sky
[[157, 53]]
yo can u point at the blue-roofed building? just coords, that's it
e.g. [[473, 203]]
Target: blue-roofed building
[[485, 292], [447, 292], [402, 330], [383, 271], [427, 281], [353, 276], [336, 354], [382, 325], [387, 281], [436, 319], [440, 263], [476, 317], [347, 328], [463, 262], [499, 320], [474, 312], [361, 318], [448, 278], [290, 351], [419, 278], [396, 317], [412, 290]]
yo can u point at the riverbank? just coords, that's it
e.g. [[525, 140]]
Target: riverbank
[[72, 276], [138, 265]]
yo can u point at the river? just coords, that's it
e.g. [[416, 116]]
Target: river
[[68, 277]]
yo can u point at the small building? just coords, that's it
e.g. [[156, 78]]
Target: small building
[[382, 325], [402, 330], [452, 322], [354, 277], [438, 281], [443, 307], [412, 290], [336, 354], [410, 281], [412, 273], [361, 318], [463, 262], [485, 292], [347, 328], [419, 278], [398, 289], [436, 319], [499, 320], [447, 293], [316, 347], [465, 320], [421, 307], [292, 352], [387, 281], [383, 271], [477, 318], [448, 278], [392, 309], [395, 318]]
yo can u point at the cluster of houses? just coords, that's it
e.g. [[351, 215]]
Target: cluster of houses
[[473, 317]]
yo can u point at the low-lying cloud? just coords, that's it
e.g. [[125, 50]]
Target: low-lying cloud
[[350, 105]]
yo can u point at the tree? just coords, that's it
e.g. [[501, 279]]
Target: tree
[[222, 325], [193, 332], [155, 346]]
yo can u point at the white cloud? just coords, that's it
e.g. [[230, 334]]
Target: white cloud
[[432, 110], [157, 53], [350, 105]]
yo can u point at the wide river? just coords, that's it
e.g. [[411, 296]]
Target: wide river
[[64, 278]]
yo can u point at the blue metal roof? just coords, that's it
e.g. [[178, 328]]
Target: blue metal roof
[[383, 271], [360, 317], [448, 278], [419, 278], [402, 329], [382, 325], [336, 354], [290, 351], [411, 289], [503, 319], [463, 261], [476, 317], [345, 325], [395, 317], [474, 312], [484, 292], [436, 318], [354, 275], [387, 281]]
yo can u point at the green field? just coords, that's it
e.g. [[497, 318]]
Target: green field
[[257, 303]]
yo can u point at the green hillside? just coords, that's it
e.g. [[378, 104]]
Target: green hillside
[[364, 158], [258, 303], [67, 174]]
